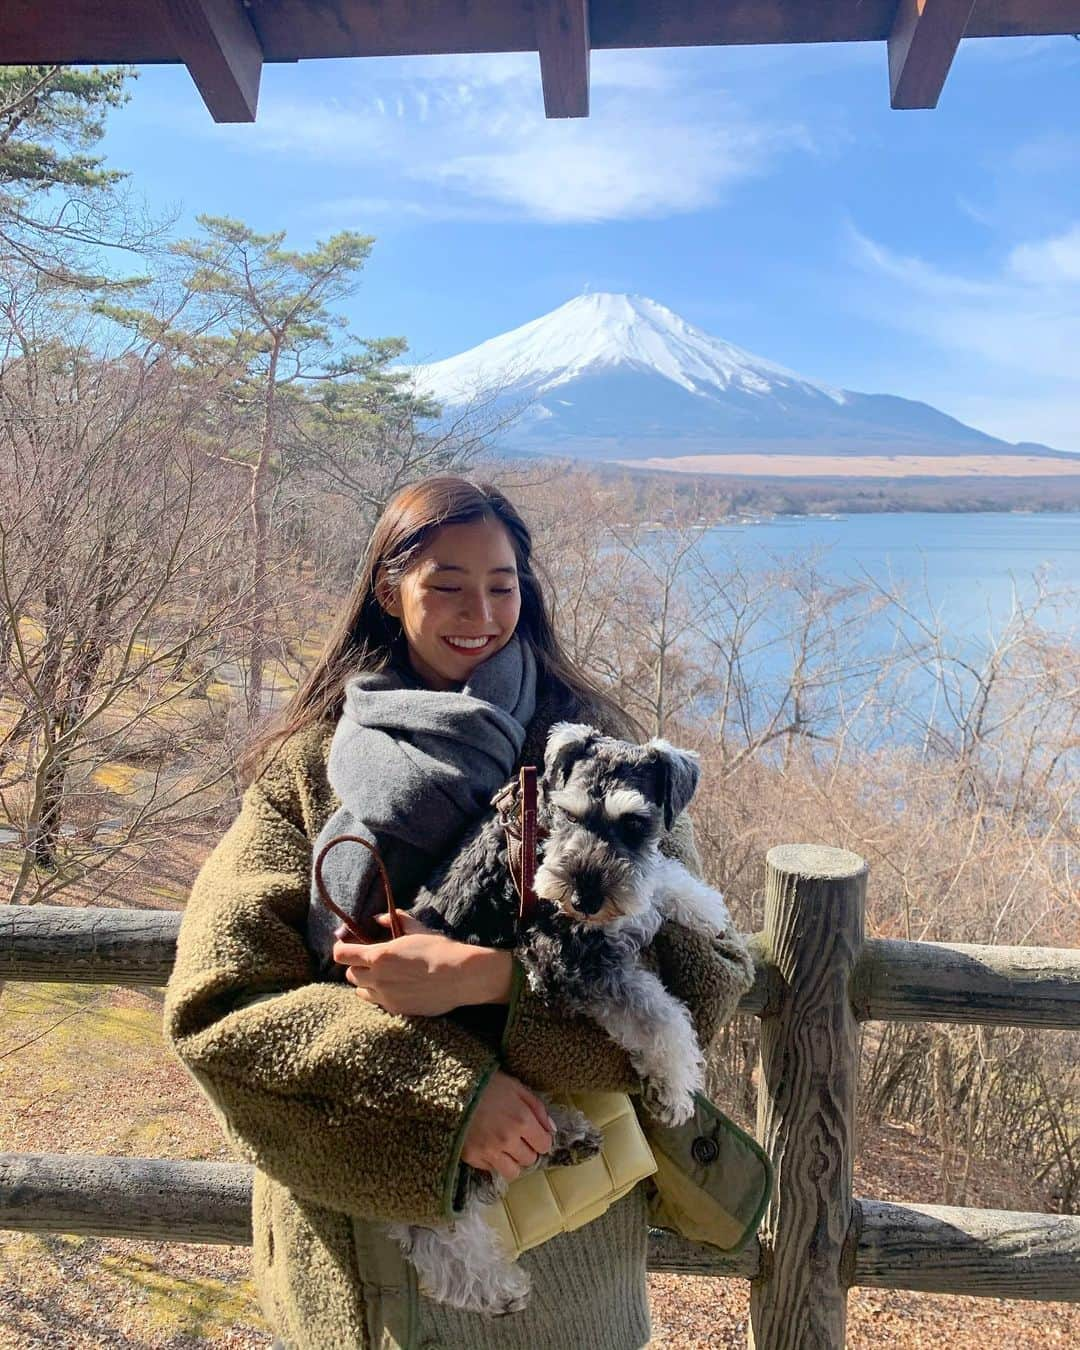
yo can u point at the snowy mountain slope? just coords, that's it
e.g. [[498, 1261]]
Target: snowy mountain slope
[[615, 376], [595, 333]]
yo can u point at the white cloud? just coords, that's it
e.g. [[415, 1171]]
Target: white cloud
[[456, 134], [353, 211], [572, 172]]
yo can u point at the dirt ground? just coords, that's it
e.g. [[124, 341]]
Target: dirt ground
[[84, 1070]]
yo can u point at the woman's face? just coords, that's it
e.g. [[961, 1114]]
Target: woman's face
[[459, 602]]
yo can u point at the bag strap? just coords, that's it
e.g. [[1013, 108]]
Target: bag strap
[[396, 929]]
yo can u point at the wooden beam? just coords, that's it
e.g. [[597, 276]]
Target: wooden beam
[[922, 43], [54, 943], [932, 1248], [992, 1253], [562, 38], [969, 983], [36, 32], [959, 982], [215, 40], [102, 1196]]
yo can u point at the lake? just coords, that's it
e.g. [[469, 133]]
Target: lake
[[970, 560], [965, 567]]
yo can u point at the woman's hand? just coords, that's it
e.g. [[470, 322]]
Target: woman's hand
[[424, 973], [509, 1128]]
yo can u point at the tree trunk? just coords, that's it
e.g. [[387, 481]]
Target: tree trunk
[[85, 665], [260, 525]]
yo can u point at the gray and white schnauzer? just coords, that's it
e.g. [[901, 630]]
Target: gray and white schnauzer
[[604, 888]]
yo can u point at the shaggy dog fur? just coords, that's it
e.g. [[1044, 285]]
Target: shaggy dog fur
[[604, 888]]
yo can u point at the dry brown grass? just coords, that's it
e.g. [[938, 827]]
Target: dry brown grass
[[129, 1097], [864, 466]]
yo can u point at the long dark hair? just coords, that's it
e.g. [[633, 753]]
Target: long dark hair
[[366, 637]]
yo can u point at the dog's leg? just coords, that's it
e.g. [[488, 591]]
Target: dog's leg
[[464, 1264], [655, 1029], [679, 895], [682, 897]]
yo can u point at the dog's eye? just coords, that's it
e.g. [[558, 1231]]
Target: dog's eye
[[632, 829]]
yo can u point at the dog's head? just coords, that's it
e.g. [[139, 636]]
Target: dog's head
[[605, 803]]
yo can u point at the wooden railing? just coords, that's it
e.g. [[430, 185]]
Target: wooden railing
[[817, 979]]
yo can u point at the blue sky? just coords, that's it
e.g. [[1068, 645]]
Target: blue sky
[[768, 195]]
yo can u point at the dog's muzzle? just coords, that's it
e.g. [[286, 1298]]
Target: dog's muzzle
[[588, 896]]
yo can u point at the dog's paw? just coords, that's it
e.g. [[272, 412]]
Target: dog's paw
[[665, 1105], [506, 1291], [513, 1303], [576, 1137], [576, 1148]]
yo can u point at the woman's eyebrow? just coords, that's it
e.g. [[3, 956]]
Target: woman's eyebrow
[[455, 567]]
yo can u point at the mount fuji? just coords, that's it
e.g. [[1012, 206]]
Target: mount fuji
[[622, 377]]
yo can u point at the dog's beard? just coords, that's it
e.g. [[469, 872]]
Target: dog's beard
[[622, 880]]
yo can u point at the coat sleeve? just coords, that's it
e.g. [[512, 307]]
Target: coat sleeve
[[550, 1049], [348, 1106]]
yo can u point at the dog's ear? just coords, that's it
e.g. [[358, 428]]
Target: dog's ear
[[677, 772], [566, 743]]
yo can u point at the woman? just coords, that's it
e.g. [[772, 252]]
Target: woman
[[355, 1098]]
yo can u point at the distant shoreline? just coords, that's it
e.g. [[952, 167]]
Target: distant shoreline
[[839, 487], [843, 467]]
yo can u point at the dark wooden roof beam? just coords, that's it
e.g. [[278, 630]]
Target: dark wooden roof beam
[[219, 46], [922, 43], [562, 38]]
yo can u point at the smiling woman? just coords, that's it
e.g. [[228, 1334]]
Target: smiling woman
[[458, 603], [448, 567], [335, 1066]]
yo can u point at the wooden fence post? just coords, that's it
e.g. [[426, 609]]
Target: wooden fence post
[[806, 1096]]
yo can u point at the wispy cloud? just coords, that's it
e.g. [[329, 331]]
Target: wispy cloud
[[334, 211], [1011, 332], [1049, 262], [451, 135]]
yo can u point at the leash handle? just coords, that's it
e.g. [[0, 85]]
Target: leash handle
[[351, 925]]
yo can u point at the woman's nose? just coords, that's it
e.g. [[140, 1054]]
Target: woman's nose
[[477, 606]]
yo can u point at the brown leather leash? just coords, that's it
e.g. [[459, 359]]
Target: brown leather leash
[[351, 925], [518, 816]]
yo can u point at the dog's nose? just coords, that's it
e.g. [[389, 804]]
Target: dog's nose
[[588, 894]]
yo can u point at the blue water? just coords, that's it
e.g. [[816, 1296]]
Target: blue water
[[964, 565], [960, 573]]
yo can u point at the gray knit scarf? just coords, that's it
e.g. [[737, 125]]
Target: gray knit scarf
[[414, 768]]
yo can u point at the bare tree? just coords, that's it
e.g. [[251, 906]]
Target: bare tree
[[115, 593], [363, 439]]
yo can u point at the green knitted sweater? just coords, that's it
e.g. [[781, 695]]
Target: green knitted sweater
[[352, 1115]]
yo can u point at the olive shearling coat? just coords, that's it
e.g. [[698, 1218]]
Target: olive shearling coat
[[347, 1112]]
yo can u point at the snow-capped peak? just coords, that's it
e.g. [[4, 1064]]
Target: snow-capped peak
[[597, 333]]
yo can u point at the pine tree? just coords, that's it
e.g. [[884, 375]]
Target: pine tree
[[58, 203], [256, 322]]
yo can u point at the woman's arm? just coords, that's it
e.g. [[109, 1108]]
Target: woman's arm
[[347, 1105]]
